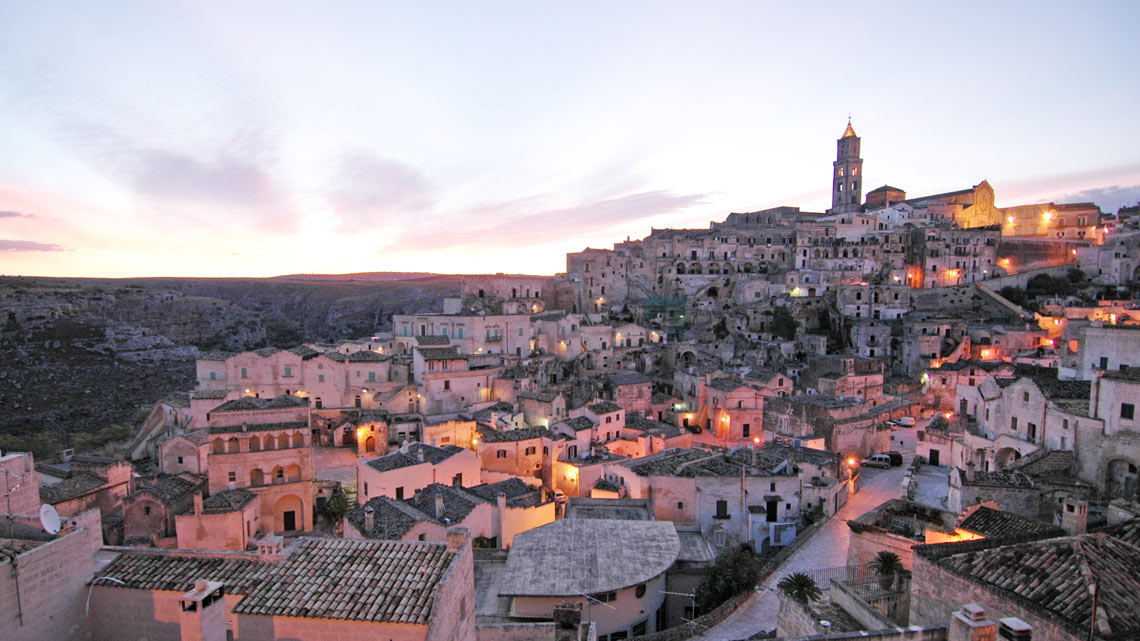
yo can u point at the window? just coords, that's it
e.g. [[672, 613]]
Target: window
[[146, 510], [180, 460], [1013, 424], [680, 505], [721, 509], [746, 430], [232, 477], [604, 597], [530, 451], [288, 371], [639, 591], [366, 489], [421, 538], [1104, 362], [399, 494], [371, 377], [244, 374], [501, 454], [320, 378], [213, 376], [1127, 411], [446, 386], [772, 486]]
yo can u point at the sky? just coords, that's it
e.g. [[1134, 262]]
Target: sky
[[266, 138]]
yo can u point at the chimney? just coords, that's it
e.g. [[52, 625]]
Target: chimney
[[420, 453], [970, 472], [457, 538], [970, 624], [567, 618], [1014, 629], [369, 519], [439, 507], [1074, 516], [203, 613], [501, 501], [494, 420], [197, 503]]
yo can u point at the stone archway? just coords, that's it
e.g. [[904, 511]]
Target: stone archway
[[687, 359], [1120, 479], [370, 444], [1005, 456], [288, 514]]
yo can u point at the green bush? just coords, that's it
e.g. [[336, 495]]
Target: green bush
[[734, 570]]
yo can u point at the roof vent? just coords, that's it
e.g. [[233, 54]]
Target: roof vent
[[1014, 629]]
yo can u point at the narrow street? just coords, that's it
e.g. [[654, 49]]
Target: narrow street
[[828, 548]]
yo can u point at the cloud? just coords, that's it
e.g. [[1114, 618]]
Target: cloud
[[371, 189], [525, 220], [14, 214], [27, 246], [1110, 199]]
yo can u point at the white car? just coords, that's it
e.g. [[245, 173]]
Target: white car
[[878, 460], [906, 421]]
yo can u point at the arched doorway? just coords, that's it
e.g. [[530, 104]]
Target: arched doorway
[[288, 514], [1005, 456], [370, 444], [1120, 479]]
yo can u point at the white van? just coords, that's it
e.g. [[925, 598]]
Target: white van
[[906, 421]]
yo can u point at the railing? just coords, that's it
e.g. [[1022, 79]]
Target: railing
[[846, 573]]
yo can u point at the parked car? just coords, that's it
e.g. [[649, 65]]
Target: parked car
[[906, 421], [896, 458], [878, 460]]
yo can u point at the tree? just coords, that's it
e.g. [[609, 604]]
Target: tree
[[734, 570], [1076, 276], [783, 325], [337, 507], [886, 564], [1015, 295], [800, 587]]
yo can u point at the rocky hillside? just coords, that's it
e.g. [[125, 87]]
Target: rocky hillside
[[80, 355]]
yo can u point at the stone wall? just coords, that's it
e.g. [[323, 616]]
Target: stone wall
[[515, 632], [910, 634], [796, 619], [868, 543], [51, 584], [860, 610], [1024, 501]]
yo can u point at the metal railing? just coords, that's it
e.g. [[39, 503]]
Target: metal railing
[[824, 576]]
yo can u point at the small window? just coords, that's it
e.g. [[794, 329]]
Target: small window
[[288, 371], [146, 510], [721, 509], [399, 494], [1013, 424], [232, 477], [1025, 397], [772, 487], [639, 591], [501, 454], [244, 374], [320, 378], [680, 505], [1127, 411], [180, 460], [446, 386]]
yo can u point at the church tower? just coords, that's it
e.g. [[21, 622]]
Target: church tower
[[847, 174]]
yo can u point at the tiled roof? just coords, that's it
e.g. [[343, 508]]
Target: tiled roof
[[1001, 479], [628, 378], [518, 493], [209, 394], [213, 355], [304, 352], [1131, 374], [456, 503], [605, 485], [258, 427], [377, 581], [992, 523], [79, 484], [366, 357], [539, 395], [266, 352], [585, 556], [227, 501], [167, 488], [391, 519], [726, 384], [521, 434], [433, 340], [578, 423], [199, 436], [439, 353], [604, 407], [1057, 577], [400, 459], [164, 571]]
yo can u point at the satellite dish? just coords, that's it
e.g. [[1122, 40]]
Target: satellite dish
[[49, 518]]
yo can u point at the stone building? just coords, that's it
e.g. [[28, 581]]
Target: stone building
[[415, 466], [149, 512]]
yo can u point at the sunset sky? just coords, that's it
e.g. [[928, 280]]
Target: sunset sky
[[266, 138]]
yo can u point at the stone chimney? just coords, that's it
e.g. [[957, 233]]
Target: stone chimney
[[369, 519], [439, 506], [501, 501], [970, 624], [420, 453], [970, 472], [494, 420], [203, 613], [457, 537], [567, 618], [1014, 629], [1074, 516], [197, 503]]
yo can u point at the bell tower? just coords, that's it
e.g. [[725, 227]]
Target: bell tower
[[847, 174]]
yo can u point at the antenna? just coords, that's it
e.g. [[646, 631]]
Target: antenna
[[49, 519]]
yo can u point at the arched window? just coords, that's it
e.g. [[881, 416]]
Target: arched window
[[278, 475], [254, 444], [840, 174], [267, 443], [294, 473], [282, 441], [256, 477], [219, 446], [232, 445], [298, 440], [501, 454]]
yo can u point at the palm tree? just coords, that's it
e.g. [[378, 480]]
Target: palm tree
[[887, 565], [800, 587]]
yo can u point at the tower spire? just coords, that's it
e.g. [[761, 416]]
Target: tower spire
[[846, 181]]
